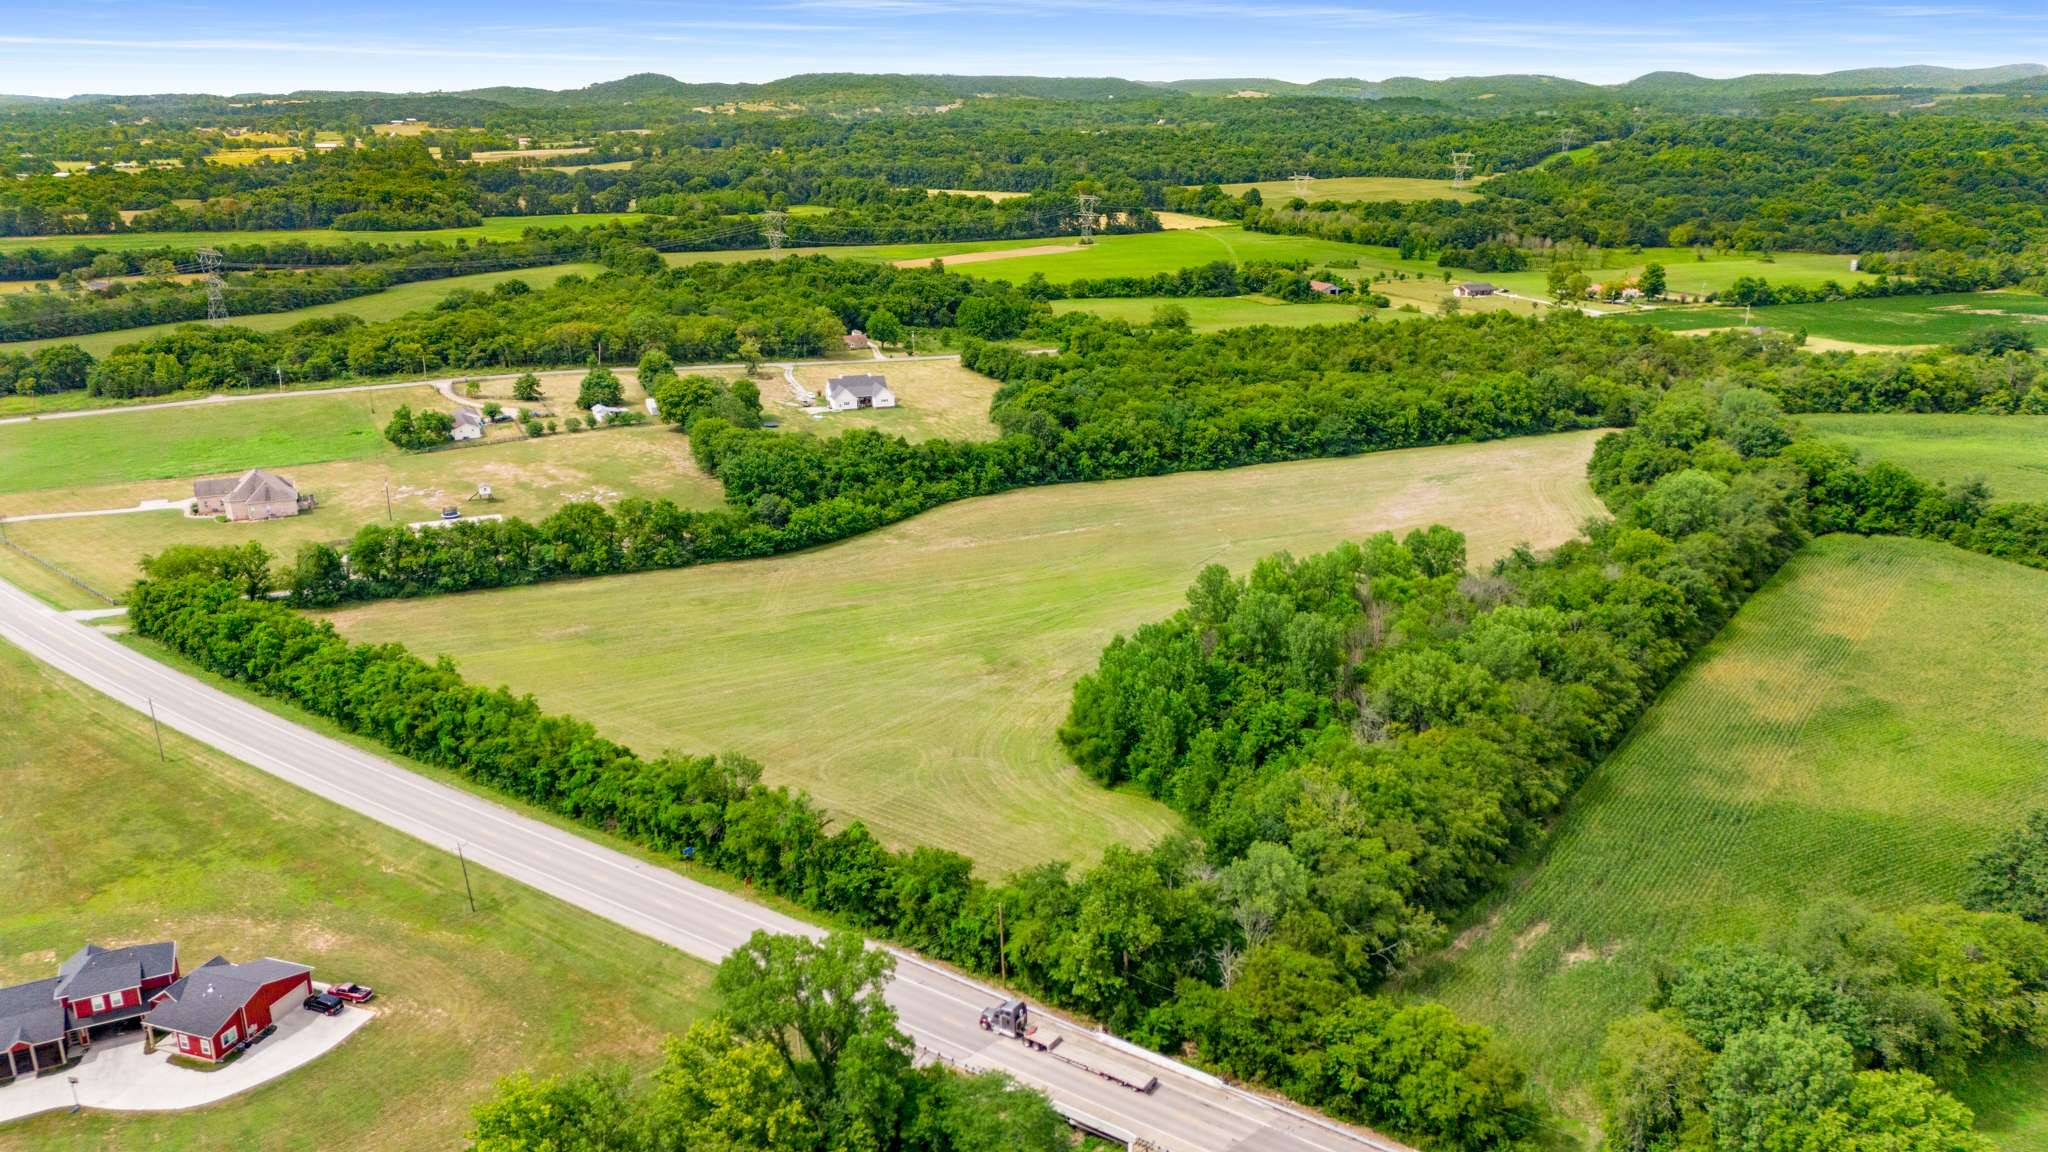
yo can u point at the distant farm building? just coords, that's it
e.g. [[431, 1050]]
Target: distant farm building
[[254, 495], [218, 1004], [1474, 288], [600, 413], [856, 340], [1324, 288], [845, 393], [44, 1024], [469, 425], [654, 407]]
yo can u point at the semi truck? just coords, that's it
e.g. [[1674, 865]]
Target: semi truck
[[1012, 1018]]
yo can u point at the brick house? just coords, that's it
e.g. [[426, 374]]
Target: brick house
[[218, 1004], [44, 1024], [254, 495]]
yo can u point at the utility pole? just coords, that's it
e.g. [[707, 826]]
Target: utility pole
[[466, 891], [774, 218], [1002, 945], [1087, 204], [1461, 167], [216, 304], [387, 502], [158, 729]]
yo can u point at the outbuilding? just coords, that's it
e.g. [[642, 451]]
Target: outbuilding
[[469, 424], [218, 1004], [856, 340], [1324, 288], [1474, 288], [846, 393]]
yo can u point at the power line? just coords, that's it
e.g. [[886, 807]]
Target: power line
[[1301, 180], [1461, 167], [216, 304], [775, 234], [1087, 203]]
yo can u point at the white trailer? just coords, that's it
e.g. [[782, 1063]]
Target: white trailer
[[1012, 1018]]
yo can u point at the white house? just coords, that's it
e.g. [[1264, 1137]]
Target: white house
[[1474, 288], [600, 413], [845, 393], [469, 424]]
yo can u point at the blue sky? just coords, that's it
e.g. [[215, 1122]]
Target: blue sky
[[62, 47]]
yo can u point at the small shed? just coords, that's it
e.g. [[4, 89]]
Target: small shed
[[654, 407], [1474, 288], [602, 413], [469, 424], [846, 393], [1325, 288]]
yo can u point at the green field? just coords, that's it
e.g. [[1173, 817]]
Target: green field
[[913, 677], [1208, 314], [1938, 319], [1350, 188], [2009, 452], [385, 305], [106, 844], [495, 228], [197, 440], [1868, 722]]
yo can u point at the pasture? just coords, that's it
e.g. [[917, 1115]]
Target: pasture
[[2009, 452], [499, 228], [913, 677], [385, 305], [1891, 320], [1353, 188], [1867, 723], [1207, 314], [223, 858]]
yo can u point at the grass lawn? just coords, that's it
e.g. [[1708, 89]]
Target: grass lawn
[[494, 228], [1900, 320], [385, 305], [528, 478], [2010, 452], [1350, 188], [914, 677], [226, 859], [1868, 722], [199, 440], [934, 398]]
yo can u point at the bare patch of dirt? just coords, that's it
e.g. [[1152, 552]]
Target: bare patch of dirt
[[984, 257], [1528, 936]]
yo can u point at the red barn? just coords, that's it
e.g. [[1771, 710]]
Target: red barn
[[219, 1004]]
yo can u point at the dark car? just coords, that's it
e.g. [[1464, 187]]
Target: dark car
[[255, 1038], [326, 1005], [353, 993]]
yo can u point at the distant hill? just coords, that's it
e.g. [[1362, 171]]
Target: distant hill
[[1651, 86]]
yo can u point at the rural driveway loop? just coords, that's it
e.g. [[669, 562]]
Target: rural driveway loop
[[1189, 1112]]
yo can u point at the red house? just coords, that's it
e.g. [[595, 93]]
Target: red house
[[218, 1004], [95, 992]]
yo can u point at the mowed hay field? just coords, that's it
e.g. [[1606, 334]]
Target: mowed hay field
[[914, 677], [493, 228], [385, 305], [1207, 314], [2008, 452], [1891, 320], [107, 845], [1868, 722]]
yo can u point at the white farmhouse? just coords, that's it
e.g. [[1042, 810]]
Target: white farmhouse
[[469, 425], [845, 393]]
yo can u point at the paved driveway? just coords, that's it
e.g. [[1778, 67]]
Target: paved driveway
[[118, 1076]]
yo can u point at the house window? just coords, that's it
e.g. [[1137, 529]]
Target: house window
[[99, 1003], [205, 1046], [227, 1038]]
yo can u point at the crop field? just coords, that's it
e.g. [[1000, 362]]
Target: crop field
[[224, 859], [1349, 188], [1890, 320], [934, 398], [1868, 722], [528, 478], [2008, 452], [494, 228], [1207, 314], [914, 677], [385, 305]]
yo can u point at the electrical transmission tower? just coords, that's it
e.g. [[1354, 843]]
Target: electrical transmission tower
[[775, 234], [216, 304], [1461, 167], [1566, 137], [1087, 205], [1301, 184]]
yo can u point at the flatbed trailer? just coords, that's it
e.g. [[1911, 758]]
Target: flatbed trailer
[[1013, 1018]]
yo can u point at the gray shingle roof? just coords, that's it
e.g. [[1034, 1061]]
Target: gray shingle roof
[[257, 485], [863, 385], [96, 971], [30, 1014], [210, 994]]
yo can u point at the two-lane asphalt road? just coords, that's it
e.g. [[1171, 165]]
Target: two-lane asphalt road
[[1188, 1112]]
